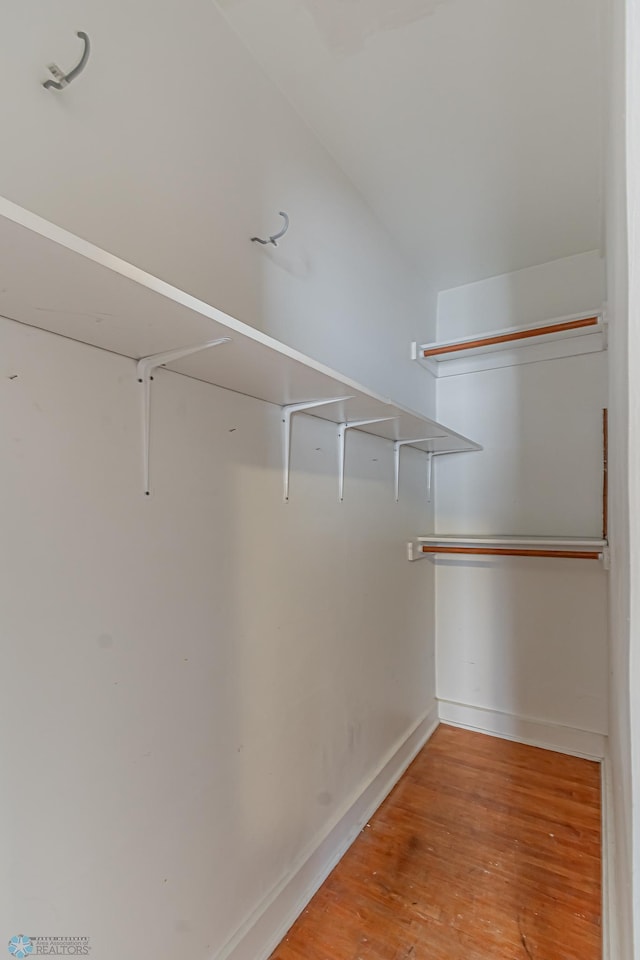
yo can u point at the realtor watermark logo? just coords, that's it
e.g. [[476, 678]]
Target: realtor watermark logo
[[22, 947]]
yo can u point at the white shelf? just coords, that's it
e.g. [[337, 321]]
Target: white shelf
[[58, 282], [578, 543], [550, 339], [583, 547]]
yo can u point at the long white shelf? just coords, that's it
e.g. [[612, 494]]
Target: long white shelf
[[56, 281], [582, 548], [549, 339]]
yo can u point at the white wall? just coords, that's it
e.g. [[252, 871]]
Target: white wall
[[555, 289], [200, 683], [478, 159], [525, 637], [207, 680], [173, 148]]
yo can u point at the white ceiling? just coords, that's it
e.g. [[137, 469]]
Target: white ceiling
[[473, 127]]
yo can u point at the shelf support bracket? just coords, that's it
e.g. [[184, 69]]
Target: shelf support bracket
[[397, 446], [288, 412], [429, 476], [415, 551], [439, 453], [342, 440], [145, 369]]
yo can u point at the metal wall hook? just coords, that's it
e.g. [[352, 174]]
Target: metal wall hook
[[276, 236], [63, 80]]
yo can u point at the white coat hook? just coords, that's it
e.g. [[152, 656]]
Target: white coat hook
[[276, 236], [145, 368], [397, 446], [62, 80], [342, 440], [287, 413]]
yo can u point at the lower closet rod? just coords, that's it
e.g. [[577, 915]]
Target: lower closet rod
[[513, 552]]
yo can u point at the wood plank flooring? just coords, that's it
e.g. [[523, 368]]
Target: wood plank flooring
[[485, 850]]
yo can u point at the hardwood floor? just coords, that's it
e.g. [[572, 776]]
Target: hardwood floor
[[485, 850]]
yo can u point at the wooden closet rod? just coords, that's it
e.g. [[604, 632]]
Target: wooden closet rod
[[516, 335], [516, 552]]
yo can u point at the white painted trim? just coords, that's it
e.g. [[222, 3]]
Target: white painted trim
[[263, 930], [537, 733], [610, 939]]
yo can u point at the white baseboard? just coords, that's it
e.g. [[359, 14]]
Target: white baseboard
[[264, 929], [550, 736]]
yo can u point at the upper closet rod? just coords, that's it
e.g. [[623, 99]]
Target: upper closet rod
[[526, 334]]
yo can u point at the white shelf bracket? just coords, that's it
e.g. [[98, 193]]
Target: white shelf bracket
[[606, 558], [342, 442], [439, 453], [287, 413], [397, 446], [145, 369], [429, 476], [415, 551]]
